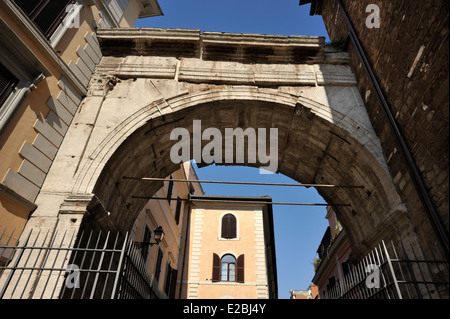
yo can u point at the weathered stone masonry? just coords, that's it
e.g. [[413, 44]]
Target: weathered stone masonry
[[150, 81], [138, 94], [409, 56]]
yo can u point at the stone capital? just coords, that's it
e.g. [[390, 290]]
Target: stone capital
[[95, 215]]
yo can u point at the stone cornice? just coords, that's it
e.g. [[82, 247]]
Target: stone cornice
[[253, 48]]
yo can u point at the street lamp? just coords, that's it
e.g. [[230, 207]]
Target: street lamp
[[158, 235]]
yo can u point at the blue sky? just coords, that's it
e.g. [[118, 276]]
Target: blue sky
[[298, 229], [281, 17]]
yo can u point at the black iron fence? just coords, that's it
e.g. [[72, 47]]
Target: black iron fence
[[109, 266], [388, 272], [73, 266]]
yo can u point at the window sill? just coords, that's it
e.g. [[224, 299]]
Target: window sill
[[226, 283], [228, 239]]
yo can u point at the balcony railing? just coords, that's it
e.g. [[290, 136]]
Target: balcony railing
[[390, 273]]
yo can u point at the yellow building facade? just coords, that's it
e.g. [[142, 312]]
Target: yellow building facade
[[48, 52], [231, 252], [169, 210]]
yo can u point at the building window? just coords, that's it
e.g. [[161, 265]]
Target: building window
[[240, 269], [191, 189], [331, 287], [146, 239], [158, 264], [47, 15], [228, 226], [116, 8], [20, 72], [325, 244], [170, 281], [7, 83], [228, 269], [178, 210], [170, 190], [347, 269]]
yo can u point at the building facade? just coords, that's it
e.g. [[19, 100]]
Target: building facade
[[66, 139], [333, 264], [231, 252], [48, 52]]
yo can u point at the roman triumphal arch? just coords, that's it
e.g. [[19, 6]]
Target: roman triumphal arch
[[152, 81]]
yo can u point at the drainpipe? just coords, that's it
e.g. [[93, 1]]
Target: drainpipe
[[414, 173]]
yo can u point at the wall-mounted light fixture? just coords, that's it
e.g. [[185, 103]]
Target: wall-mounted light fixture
[[158, 235]]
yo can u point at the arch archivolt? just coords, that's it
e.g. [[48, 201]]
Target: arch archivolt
[[92, 164], [350, 154]]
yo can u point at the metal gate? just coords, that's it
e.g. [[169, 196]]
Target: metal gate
[[96, 265], [390, 273], [92, 265]]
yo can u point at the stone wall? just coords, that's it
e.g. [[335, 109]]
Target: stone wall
[[409, 56]]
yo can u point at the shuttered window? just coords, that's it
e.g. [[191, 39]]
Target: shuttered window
[[146, 239], [170, 190], [216, 268], [228, 268], [47, 15], [158, 264], [178, 211], [7, 83], [240, 269], [228, 226], [171, 282]]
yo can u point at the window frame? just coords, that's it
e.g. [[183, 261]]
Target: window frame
[[112, 15], [331, 284], [227, 263], [347, 271], [22, 63], [62, 28], [170, 281], [11, 81], [57, 19], [170, 190], [177, 215], [158, 264], [239, 268], [221, 227], [147, 236]]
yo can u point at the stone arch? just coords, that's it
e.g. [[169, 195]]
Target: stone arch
[[317, 144]]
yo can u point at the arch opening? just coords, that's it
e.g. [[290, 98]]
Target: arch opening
[[310, 150]]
